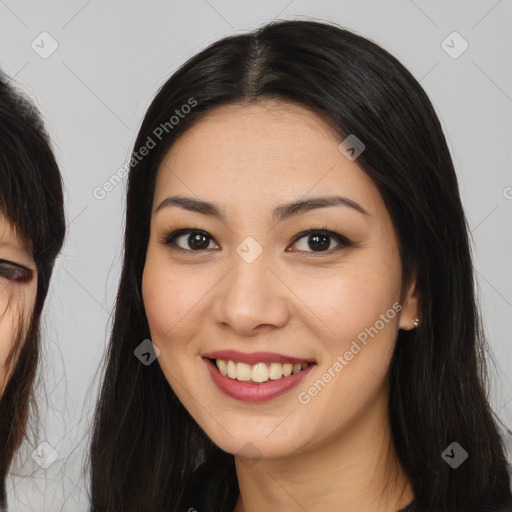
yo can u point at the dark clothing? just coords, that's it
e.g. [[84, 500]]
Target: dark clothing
[[200, 487], [412, 507]]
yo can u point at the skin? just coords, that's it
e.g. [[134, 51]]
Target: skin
[[17, 297], [335, 452]]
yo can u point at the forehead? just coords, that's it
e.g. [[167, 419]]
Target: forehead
[[11, 245], [8, 234], [262, 152], [249, 134]]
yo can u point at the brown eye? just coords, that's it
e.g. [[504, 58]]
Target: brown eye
[[195, 240], [13, 272], [319, 241]]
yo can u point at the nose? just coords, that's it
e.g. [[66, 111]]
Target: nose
[[251, 297]]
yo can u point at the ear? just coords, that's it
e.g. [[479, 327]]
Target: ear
[[411, 307]]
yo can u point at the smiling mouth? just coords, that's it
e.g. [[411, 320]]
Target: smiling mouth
[[258, 373]]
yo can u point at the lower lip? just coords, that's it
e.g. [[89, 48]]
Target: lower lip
[[250, 392]]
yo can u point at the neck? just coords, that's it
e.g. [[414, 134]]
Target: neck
[[356, 469]]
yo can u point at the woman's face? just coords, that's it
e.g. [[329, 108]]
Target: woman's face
[[18, 288], [246, 282]]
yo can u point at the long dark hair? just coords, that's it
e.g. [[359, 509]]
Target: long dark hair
[[145, 445], [31, 200]]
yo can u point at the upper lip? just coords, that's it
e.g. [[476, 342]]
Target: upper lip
[[254, 357]]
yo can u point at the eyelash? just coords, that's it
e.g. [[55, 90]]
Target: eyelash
[[192, 228], [13, 272]]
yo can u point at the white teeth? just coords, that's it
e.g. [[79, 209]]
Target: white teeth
[[275, 371], [222, 366], [243, 371], [231, 369], [260, 372], [287, 369]]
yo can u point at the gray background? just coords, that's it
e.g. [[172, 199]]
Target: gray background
[[93, 91]]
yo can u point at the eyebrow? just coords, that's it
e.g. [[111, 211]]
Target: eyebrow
[[280, 213]]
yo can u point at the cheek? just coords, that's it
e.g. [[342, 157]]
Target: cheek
[[350, 299], [7, 334], [169, 296], [156, 303], [16, 306]]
